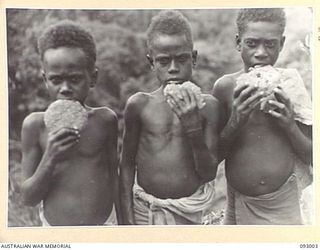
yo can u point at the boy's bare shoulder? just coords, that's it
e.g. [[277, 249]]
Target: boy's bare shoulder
[[32, 127], [33, 121], [138, 100], [227, 81], [104, 113], [225, 84]]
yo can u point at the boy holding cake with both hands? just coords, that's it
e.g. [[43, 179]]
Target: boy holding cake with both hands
[[69, 152], [169, 153], [266, 126]]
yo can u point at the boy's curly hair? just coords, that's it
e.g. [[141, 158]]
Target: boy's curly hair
[[274, 15], [67, 33], [169, 22]]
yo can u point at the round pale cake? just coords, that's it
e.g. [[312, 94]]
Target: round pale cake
[[65, 113], [173, 88], [267, 78]]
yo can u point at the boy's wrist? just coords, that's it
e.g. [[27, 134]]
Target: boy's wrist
[[48, 162], [193, 132], [189, 126], [292, 129], [233, 125]]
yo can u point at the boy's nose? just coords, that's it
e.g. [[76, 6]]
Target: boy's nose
[[174, 68], [261, 52], [65, 88]]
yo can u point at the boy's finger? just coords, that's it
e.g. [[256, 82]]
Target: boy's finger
[[254, 99], [69, 139], [176, 110], [274, 114], [64, 132], [254, 104], [239, 88], [193, 98], [248, 92], [170, 102], [281, 96], [276, 104], [186, 96], [66, 146]]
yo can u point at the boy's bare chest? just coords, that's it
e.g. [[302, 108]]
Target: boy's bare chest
[[92, 141], [161, 122]]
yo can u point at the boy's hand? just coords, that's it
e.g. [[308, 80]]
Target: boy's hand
[[245, 99], [186, 109], [59, 142], [284, 113]]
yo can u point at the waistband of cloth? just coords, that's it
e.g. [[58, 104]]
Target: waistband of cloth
[[283, 187], [111, 220], [202, 199]]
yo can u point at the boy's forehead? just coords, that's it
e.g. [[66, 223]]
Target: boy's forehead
[[263, 29], [162, 43], [65, 55], [64, 50]]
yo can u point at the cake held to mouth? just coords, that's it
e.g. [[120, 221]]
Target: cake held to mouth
[[174, 89], [65, 113]]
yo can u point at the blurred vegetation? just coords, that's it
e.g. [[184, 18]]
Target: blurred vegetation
[[123, 70]]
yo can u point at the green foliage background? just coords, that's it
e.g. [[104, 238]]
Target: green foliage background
[[123, 68]]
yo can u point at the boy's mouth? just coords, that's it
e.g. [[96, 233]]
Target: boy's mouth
[[258, 65], [174, 81], [64, 98]]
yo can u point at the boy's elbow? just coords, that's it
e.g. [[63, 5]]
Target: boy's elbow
[[27, 198], [27, 201], [209, 177], [211, 173], [306, 157], [307, 161]]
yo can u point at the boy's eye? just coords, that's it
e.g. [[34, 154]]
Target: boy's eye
[[270, 44], [56, 80], [250, 43], [163, 61], [182, 59], [74, 79]]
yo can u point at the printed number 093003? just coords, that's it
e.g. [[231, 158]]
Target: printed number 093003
[[308, 246]]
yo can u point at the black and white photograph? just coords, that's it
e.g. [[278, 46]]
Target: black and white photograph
[[149, 117]]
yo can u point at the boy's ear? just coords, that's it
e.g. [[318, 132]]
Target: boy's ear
[[283, 39], [44, 77], [150, 60], [238, 42], [194, 57], [94, 77]]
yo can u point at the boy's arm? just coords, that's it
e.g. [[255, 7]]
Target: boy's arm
[[112, 152], [37, 166], [204, 143], [299, 135], [245, 99], [128, 158], [203, 138]]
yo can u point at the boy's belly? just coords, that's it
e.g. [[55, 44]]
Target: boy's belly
[[80, 195], [261, 160], [168, 173]]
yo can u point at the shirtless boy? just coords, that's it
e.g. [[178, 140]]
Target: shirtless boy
[[260, 147], [169, 144], [73, 173]]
